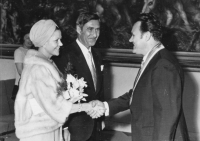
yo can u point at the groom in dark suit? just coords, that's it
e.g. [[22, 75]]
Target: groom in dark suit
[[155, 101], [86, 63]]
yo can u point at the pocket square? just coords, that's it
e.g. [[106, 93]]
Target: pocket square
[[102, 66]]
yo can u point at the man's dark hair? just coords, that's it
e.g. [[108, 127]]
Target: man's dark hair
[[83, 18], [151, 23]]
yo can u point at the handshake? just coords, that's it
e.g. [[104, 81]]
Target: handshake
[[97, 109], [94, 108]]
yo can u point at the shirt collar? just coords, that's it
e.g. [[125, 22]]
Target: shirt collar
[[145, 56], [83, 48]]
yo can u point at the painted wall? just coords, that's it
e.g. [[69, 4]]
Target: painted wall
[[7, 80], [7, 69]]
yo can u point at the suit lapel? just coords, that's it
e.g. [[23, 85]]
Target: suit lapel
[[148, 61], [84, 66]]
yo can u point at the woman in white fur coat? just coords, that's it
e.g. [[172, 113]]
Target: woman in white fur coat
[[40, 109]]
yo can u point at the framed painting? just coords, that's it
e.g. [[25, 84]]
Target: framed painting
[[180, 20]]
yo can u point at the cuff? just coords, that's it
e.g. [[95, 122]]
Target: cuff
[[107, 108]]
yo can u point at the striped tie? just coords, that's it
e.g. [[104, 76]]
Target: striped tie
[[139, 72]]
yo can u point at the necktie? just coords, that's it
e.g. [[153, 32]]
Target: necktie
[[136, 79], [92, 68], [139, 72]]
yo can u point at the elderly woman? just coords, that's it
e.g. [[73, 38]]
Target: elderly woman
[[40, 108]]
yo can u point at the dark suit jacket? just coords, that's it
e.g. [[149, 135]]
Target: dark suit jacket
[[80, 124], [156, 107]]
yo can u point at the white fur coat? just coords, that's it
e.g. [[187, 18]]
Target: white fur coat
[[39, 81]]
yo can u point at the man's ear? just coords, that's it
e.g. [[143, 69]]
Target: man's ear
[[78, 29], [147, 35]]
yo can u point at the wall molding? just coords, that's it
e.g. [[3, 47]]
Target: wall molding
[[190, 61], [7, 50], [121, 57]]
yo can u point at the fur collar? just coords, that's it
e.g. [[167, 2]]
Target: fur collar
[[34, 57]]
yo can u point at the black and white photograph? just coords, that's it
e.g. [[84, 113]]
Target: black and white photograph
[[100, 70]]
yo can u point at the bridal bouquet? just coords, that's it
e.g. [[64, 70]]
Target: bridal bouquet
[[72, 87], [75, 87]]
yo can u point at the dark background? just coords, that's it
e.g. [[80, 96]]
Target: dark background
[[117, 19]]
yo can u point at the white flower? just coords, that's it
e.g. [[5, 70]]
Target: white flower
[[75, 86], [70, 78], [73, 93], [82, 83], [66, 94]]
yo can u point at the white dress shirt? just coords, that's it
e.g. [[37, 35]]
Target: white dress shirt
[[90, 61], [85, 50]]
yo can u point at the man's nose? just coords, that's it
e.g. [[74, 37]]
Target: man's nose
[[95, 33], [131, 40]]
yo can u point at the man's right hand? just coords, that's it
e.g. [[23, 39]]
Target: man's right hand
[[98, 109]]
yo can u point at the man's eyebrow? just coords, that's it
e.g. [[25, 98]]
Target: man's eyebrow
[[90, 27], [93, 28]]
